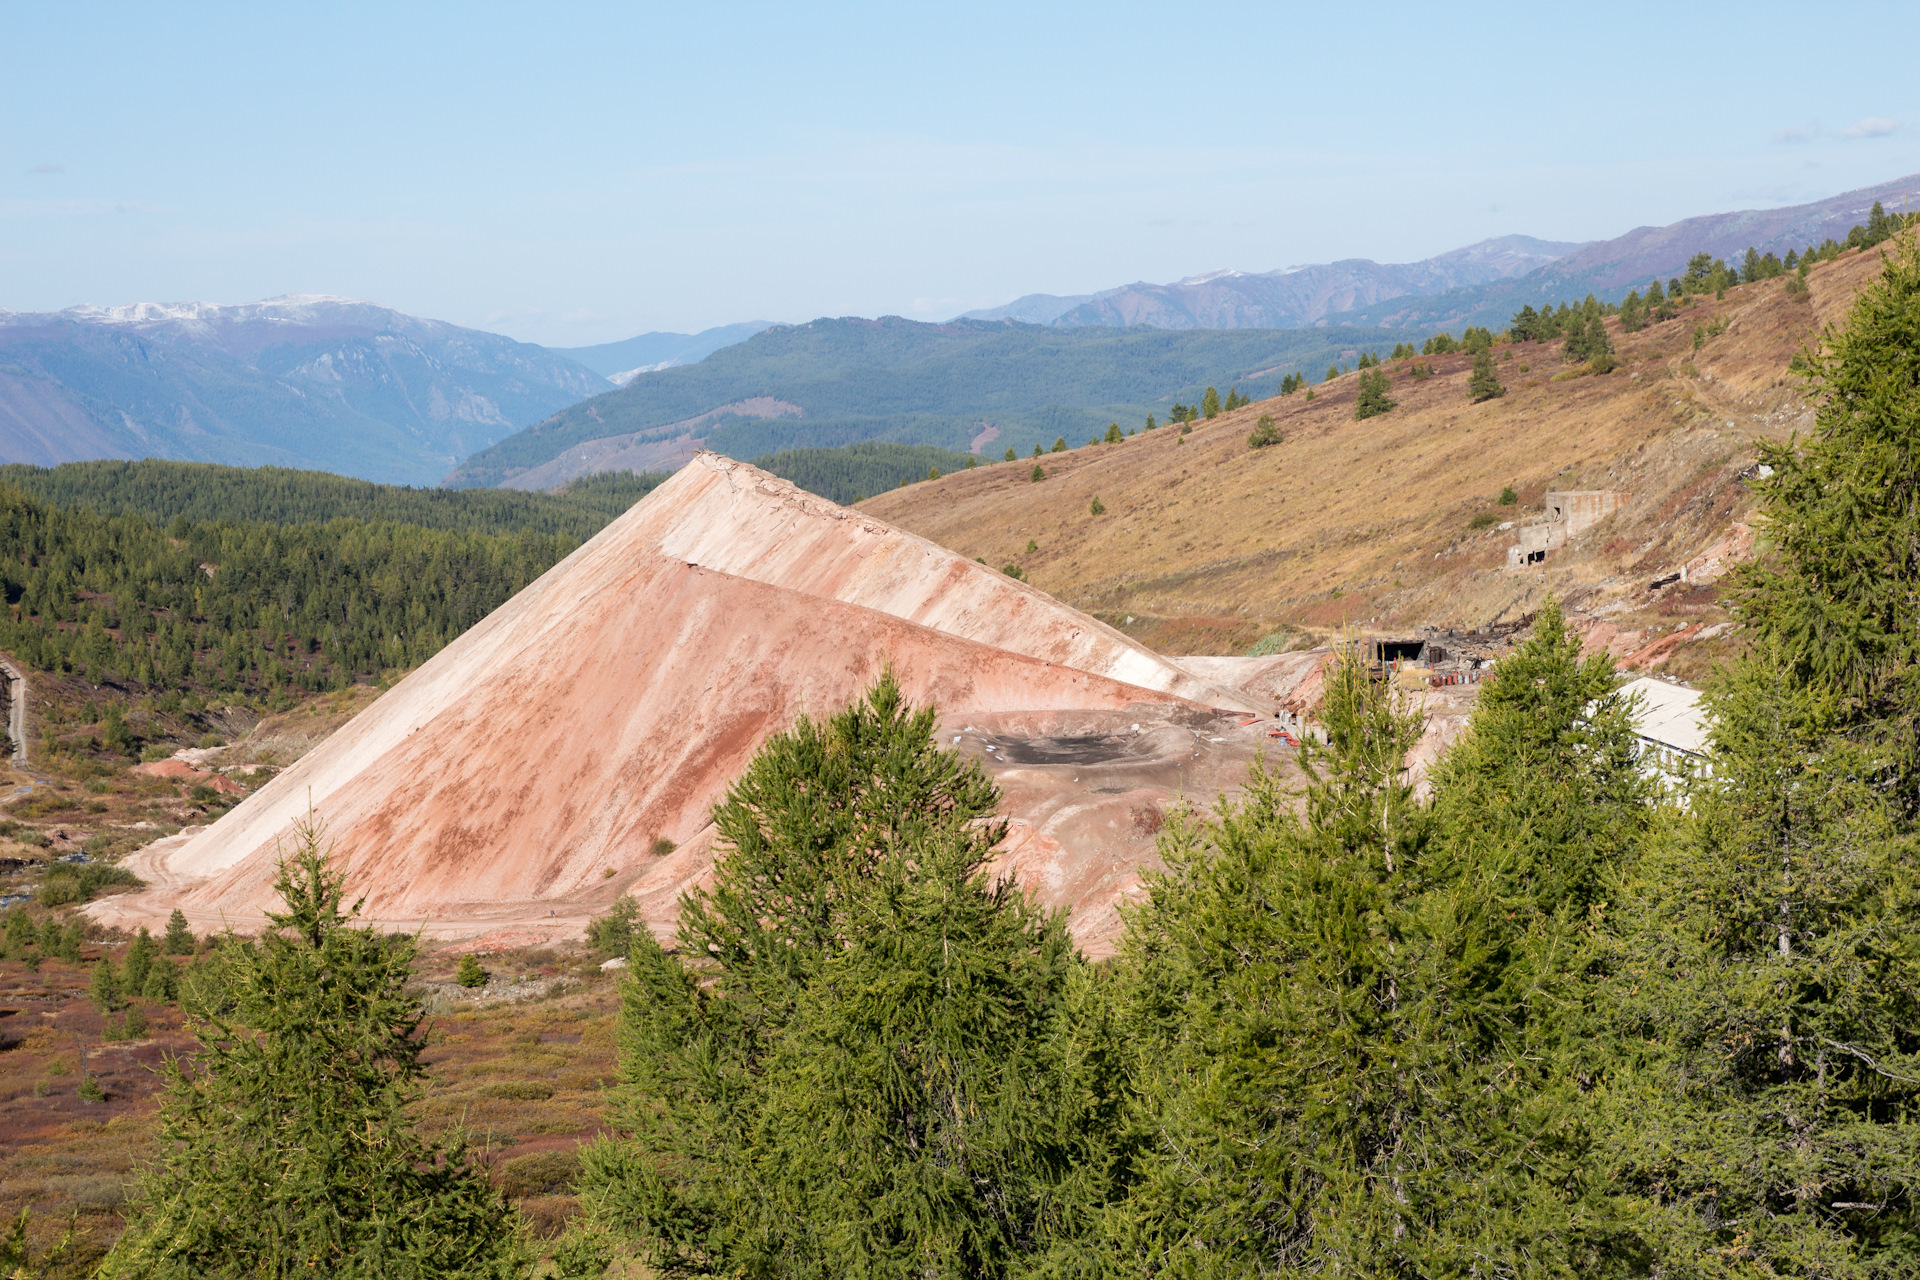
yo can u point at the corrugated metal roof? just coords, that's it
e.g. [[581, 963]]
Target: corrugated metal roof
[[1669, 715]]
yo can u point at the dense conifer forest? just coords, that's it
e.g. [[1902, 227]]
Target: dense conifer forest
[[182, 580], [859, 471], [203, 492]]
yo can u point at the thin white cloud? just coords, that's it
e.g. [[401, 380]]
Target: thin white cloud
[[1865, 127], [1870, 127], [48, 168]]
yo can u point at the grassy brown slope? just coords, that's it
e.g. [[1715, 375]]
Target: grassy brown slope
[[1368, 522]]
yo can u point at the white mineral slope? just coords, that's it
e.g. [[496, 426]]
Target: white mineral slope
[[738, 519], [527, 770]]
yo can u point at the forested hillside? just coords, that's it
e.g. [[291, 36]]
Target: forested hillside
[[173, 581], [849, 474], [201, 492], [911, 383]]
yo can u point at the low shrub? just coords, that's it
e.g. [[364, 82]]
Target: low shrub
[[470, 973], [519, 1090], [542, 1173], [613, 933], [66, 883]]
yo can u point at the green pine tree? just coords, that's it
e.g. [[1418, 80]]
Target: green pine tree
[[470, 973], [1372, 399], [1632, 313], [106, 991], [1484, 384], [1059, 444], [1763, 1078], [1763, 994], [867, 1076], [1010, 453], [1843, 508], [1344, 1014], [291, 1148], [1113, 435], [179, 937], [140, 954], [1210, 404]]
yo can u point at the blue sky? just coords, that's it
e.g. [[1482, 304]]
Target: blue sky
[[576, 173]]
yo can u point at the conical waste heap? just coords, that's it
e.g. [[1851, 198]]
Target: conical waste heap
[[568, 748]]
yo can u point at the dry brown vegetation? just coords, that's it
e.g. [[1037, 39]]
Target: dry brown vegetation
[[1207, 544], [524, 1079]]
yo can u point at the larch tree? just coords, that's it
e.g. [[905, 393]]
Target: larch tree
[[863, 1075], [290, 1147]]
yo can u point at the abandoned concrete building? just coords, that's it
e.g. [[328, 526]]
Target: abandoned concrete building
[[1568, 514]]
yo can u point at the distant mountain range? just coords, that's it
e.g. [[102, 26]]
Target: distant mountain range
[[313, 381], [301, 381], [971, 384], [1290, 298], [618, 362], [1483, 283], [1609, 268]]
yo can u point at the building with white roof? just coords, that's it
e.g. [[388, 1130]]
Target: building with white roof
[[1671, 725]]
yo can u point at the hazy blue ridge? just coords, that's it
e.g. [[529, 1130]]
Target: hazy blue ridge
[[655, 350], [316, 383], [936, 384]]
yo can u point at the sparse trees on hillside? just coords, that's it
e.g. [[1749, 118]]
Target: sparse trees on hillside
[[1264, 433], [1440, 344]]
